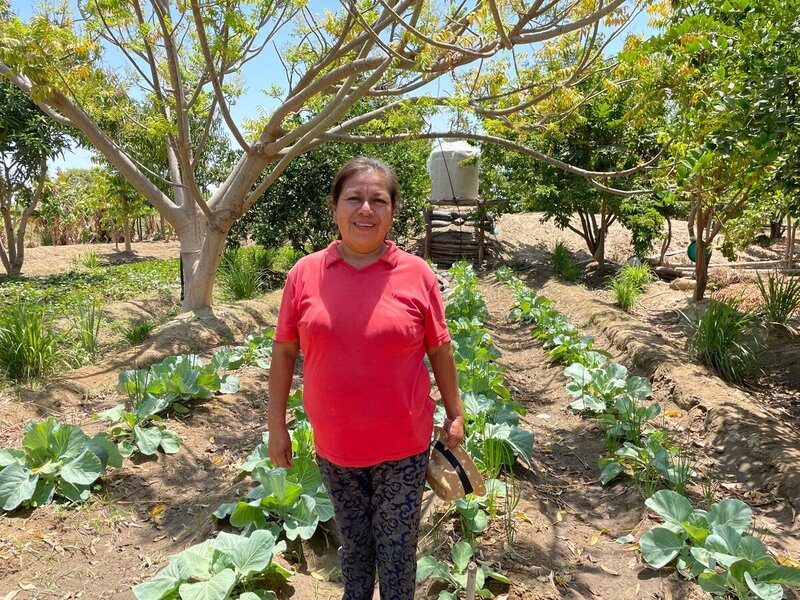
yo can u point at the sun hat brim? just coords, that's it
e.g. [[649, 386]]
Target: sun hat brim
[[451, 472]]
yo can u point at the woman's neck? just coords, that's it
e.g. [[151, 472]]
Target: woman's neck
[[361, 259]]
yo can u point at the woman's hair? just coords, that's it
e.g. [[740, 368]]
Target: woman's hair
[[364, 164]]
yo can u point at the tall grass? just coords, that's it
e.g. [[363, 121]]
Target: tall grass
[[625, 293], [245, 272], [722, 339], [628, 285], [89, 260], [87, 324], [781, 299], [29, 346], [564, 262]]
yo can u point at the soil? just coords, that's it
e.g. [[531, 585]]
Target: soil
[[565, 526]]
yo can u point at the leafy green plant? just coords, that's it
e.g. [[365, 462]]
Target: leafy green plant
[[229, 566], [255, 350], [55, 459], [455, 576], [177, 378], [654, 463], [29, 345], [472, 515], [138, 332], [721, 338], [134, 430], [293, 498], [781, 297], [712, 547], [88, 318], [564, 262], [464, 301], [286, 256]]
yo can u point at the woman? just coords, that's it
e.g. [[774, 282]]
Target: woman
[[365, 314]]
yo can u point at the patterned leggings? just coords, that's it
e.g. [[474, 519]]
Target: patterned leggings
[[377, 513]]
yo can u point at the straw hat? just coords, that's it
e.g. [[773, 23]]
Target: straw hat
[[451, 473]]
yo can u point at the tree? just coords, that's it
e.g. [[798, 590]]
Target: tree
[[28, 138], [728, 72], [186, 58]]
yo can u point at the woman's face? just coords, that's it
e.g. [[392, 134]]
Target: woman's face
[[364, 212]]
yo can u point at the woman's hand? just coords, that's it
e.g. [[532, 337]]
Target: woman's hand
[[280, 447], [454, 428]]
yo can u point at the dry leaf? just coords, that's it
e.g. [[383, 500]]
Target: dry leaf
[[787, 561], [11, 595], [594, 540], [671, 413], [218, 459], [559, 517], [524, 517], [157, 513]]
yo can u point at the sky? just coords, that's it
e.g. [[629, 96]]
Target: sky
[[253, 77]]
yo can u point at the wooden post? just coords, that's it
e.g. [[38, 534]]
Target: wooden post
[[479, 231], [472, 570], [428, 231]]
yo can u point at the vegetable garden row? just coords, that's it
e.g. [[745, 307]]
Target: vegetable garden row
[[286, 506]]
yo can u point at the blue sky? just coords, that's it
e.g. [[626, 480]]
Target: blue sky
[[253, 77]]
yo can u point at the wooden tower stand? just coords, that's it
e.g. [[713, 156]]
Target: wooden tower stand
[[455, 230]]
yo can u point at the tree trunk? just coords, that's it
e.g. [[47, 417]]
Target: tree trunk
[[667, 242], [703, 219], [128, 230], [791, 233], [201, 249], [776, 229]]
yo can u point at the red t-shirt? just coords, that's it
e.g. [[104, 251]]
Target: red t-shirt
[[363, 335]]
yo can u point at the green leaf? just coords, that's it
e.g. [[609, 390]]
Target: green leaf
[[83, 470], [588, 402], [305, 472], [712, 583], [723, 539], [303, 519], [638, 388], [229, 384], [670, 506], [73, 492], [249, 555], [170, 441], [751, 548], [764, 591], [45, 489], [610, 471], [660, 546], [167, 580], [112, 414], [147, 439], [579, 374], [17, 484], [216, 588], [730, 512], [36, 440], [11, 456], [106, 450], [323, 506], [462, 554], [779, 574], [429, 567], [245, 515]]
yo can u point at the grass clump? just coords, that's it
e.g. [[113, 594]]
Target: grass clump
[[286, 256], [721, 339], [246, 272], [781, 297], [29, 345], [88, 260], [138, 332], [564, 262], [629, 284]]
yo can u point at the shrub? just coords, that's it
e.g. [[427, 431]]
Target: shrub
[[721, 339], [245, 272], [781, 298], [564, 262], [286, 257], [28, 342]]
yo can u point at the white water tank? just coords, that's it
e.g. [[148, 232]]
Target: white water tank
[[453, 167]]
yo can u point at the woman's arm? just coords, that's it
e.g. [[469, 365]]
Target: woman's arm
[[281, 370], [444, 371]]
